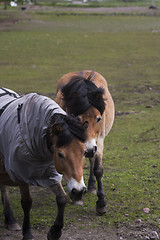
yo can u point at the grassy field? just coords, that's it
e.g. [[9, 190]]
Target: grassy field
[[102, 3], [41, 46]]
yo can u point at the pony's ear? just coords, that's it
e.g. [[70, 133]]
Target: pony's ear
[[75, 94], [56, 129], [85, 125], [99, 96]]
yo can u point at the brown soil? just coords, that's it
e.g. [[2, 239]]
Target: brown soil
[[94, 10], [74, 231], [69, 233]]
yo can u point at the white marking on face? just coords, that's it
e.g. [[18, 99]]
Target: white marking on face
[[72, 183], [91, 144]]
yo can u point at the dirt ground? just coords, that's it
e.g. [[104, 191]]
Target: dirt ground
[[95, 10], [70, 233], [135, 231]]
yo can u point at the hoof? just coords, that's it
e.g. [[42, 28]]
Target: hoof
[[92, 191], [78, 203], [54, 233], [13, 227], [51, 237], [101, 210], [28, 236]]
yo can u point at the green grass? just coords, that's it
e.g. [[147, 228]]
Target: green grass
[[133, 172], [36, 51]]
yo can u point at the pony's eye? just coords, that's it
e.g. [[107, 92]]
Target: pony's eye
[[98, 119], [60, 155], [79, 118]]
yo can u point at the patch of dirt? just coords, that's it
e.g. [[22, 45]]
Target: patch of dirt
[[5, 24], [70, 232], [17, 235], [94, 10], [74, 231], [138, 231], [119, 113]]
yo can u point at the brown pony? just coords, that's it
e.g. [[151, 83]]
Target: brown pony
[[85, 94], [54, 146]]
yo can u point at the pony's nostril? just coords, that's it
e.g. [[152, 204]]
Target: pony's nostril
[[95, 149], [76, 194], [84, 190], [74, 191], [90, 152]]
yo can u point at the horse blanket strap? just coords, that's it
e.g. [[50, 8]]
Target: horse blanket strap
[[19, 111], [6, 98], [8, 92], [23, 143], [4, 107]]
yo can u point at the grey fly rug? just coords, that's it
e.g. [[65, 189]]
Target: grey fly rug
[[23, 124]]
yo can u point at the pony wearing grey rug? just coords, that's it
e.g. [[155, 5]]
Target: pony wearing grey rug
[[39, 144]]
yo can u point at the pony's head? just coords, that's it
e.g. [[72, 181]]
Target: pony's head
[[84, 99], [65, 138]]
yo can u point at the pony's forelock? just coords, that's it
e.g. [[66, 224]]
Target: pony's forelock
[[71, 128], [81, 93], [75, 96]]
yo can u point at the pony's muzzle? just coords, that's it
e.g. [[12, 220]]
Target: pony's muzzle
[[91, 152], [77, 195]]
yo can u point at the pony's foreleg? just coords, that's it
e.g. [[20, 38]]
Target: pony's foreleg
[[26, 202], [10, 221], [101, 204], [55, 231], [91, 181]]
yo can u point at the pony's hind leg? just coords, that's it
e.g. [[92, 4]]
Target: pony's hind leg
[[26, 202], [10, 221]]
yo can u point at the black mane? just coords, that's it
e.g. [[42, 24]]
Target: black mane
[[70, 128], [81, 93]]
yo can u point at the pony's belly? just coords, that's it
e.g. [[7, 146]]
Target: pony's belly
[[4, 177]]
